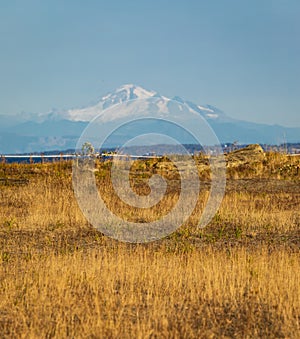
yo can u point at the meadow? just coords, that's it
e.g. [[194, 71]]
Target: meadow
[[238, 277]]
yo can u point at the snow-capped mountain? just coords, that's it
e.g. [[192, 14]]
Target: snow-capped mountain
[[121, 94], [131, 92], [60, 129]]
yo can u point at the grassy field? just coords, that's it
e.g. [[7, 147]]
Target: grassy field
[[238, 277]]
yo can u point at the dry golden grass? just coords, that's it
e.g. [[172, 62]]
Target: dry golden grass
[[238, 277], [143, 292]]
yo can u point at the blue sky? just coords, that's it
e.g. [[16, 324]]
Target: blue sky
[[241, 56]]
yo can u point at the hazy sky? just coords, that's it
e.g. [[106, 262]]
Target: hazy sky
[[242, 56]]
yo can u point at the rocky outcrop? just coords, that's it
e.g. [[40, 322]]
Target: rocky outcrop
[[250, 154]]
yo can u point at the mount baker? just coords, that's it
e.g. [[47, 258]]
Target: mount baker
[[60, 129]]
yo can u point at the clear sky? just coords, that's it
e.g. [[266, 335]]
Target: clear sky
[[242, 56]]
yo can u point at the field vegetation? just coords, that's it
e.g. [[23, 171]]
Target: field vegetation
[[238, 277]]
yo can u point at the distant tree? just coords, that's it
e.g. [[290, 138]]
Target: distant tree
[[234, 145], [87, 149]]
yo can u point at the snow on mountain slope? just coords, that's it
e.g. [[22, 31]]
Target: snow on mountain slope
[[121, 94], [130, 92]]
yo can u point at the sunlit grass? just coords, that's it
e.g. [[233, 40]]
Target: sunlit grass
[[238, 277]]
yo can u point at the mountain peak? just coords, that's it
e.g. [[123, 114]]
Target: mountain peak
[[130, 92], [127, 92]]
